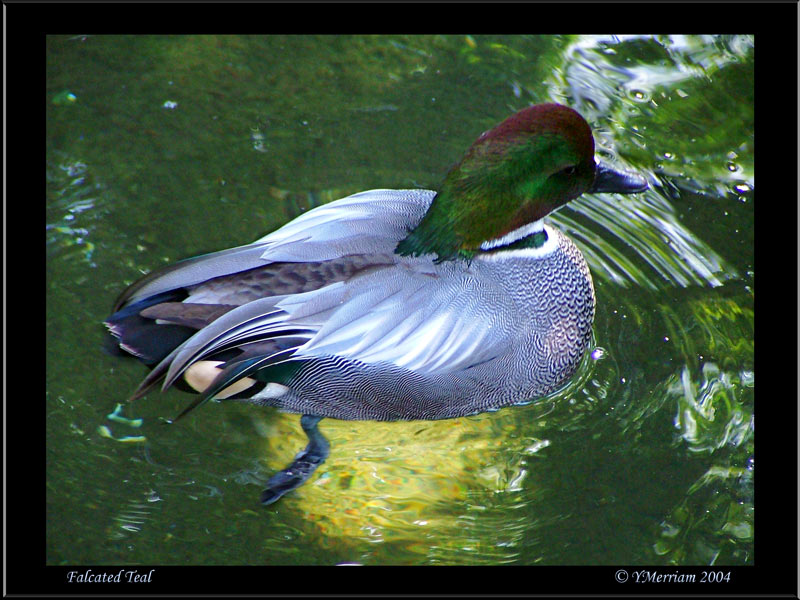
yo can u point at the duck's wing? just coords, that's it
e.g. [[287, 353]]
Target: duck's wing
[[365, 223], [427, 318], [369, 222], [430, 319]]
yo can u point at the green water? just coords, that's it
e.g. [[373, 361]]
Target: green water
[[161, 148]]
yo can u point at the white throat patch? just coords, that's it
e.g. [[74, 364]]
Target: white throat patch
[[545, 250], [513, 236]]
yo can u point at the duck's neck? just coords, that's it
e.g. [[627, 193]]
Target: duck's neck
[[459, 221], [532, 235], [438, 233], [496, 189]]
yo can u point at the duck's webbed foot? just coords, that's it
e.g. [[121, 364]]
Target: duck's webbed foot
[[303, 465]]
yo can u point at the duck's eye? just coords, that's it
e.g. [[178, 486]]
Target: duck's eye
[[565, 175]]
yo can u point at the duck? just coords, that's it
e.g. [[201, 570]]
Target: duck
[[389, 304]]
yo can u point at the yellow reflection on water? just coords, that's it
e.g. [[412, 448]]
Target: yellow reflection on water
[[419, 486]]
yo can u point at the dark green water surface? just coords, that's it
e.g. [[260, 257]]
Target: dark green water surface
[[161, 148]]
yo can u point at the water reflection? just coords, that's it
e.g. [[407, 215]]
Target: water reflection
[[72, 193], [428, 491], [709, 390], [649, 229], [133, 516]]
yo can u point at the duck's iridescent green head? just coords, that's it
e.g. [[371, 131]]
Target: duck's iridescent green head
[[529, 165]]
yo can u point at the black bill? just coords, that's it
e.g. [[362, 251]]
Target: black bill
[[609, 181]]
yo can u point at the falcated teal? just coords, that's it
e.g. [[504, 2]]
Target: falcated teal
[[390, 304]]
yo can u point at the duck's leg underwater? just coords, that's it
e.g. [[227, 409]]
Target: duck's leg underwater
[[303, 465]]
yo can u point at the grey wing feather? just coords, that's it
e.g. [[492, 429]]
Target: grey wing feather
[[364, 223], [428, 324], [424, 317], [397, 314]]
